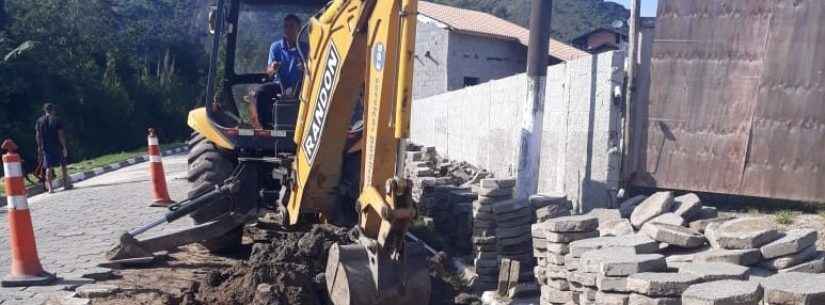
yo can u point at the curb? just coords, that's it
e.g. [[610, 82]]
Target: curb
[[77, 177]]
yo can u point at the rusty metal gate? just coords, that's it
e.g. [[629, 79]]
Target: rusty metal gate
[[737, 99]]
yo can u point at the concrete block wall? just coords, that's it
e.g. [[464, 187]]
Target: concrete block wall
[[580, 153]]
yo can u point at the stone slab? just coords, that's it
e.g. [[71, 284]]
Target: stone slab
[[708, 272], [559, 284], [747, 233], [572, 224], [668, 218], [569, 236], [700, 224], [638, 242], [788, 261], [655, 205], [815, 266], [611, 262], [605, 215], [611, 283], [626, 207], [744, 257], [794, 241], [727, 292], [583, 278], [621, 227], [673, 234], [687, 206], [538, 201], [640, 299], [556, 296], [606, 298], [498, 183], [657, 284], [795, 288]]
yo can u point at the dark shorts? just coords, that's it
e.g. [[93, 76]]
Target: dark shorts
[[52, 159]]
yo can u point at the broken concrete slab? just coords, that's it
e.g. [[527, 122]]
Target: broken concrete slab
[[708, 272], [791, 260], [668, 218], [638, 242], [816, 265], [626, 207], [606, 298], [747, 233], [96, 290], [794, 241], [687, 206], [673, 235], [569, 236], [699, 225], [743, 257], [621, 227], [657, 284], [727, 292], [655, 205], [640, 299], [569, 224], [794, 288]]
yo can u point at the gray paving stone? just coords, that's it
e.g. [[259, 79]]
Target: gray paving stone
[[556, 296], [606, 298], [794, 288], [571, 224], [668, 218], [727, 292], [673, 234], [816, 265], [687, 206], [700, 224], [583, 278], [655, 205], [559, 284], [639, 299], [553, 211], [794, 241], [605, 215], [743, 257], [498, 183], [615, 262], [661, 284], [621, 227], [638, 242], [538, 201], [708, 272], [558, 248], [611, 283], [626, 207], [747, 233], [569, 236], [791, 260]]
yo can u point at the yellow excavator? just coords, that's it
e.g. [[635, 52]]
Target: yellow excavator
[[319, 162]]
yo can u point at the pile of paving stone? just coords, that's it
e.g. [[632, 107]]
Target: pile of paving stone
[[493, 239], [440, 193]]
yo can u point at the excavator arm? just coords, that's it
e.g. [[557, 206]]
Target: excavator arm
[[361, 47]]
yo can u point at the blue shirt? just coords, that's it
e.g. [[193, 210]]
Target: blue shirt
[[291, 70]]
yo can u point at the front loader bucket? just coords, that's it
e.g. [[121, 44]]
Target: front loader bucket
[[350, 281]]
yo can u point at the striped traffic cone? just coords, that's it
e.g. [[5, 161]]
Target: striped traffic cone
[[156, 170], [26, 269]]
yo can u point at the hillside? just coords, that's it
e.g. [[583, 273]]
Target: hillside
[[570, 17]]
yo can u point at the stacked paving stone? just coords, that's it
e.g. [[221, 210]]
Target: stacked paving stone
[[492, 192], [794, 288], [559, 283], [603, 275]]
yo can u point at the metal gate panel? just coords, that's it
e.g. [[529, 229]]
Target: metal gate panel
[[734, 106]]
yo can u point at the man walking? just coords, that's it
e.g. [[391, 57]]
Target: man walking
[[51, 146]]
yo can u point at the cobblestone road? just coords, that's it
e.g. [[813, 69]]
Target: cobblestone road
[[75, 228]]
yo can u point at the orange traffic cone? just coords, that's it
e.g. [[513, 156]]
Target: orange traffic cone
[[156, 170], [26, 269]]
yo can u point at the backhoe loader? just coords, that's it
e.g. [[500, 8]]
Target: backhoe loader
[[360, 54]]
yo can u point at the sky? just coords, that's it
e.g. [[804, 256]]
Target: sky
[[648, 6]]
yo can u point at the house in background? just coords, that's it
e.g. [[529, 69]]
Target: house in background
[[456, 48], [601, 40]]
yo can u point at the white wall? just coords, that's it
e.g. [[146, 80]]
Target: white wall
[[582, 126]]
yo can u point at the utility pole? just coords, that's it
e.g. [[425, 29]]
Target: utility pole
[[532, 115], [628, 161]]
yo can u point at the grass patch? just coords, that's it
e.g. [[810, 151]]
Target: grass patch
[[90, 164], [784, 217]]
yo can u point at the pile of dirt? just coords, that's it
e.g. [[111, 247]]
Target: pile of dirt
[[287, 270]]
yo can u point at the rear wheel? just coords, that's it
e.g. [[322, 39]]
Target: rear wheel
[[210, 166]]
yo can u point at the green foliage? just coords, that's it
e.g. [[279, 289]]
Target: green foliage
[[571, 18], [784, 217], [113, 68]]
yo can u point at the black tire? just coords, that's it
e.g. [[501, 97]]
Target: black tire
[[210, 166]]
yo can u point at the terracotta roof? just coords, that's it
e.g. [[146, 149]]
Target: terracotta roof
[[479, 23]]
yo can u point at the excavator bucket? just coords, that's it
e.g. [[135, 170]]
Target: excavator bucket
[[351, 279]]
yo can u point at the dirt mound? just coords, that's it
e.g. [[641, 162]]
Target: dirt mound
[[284, 271]]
